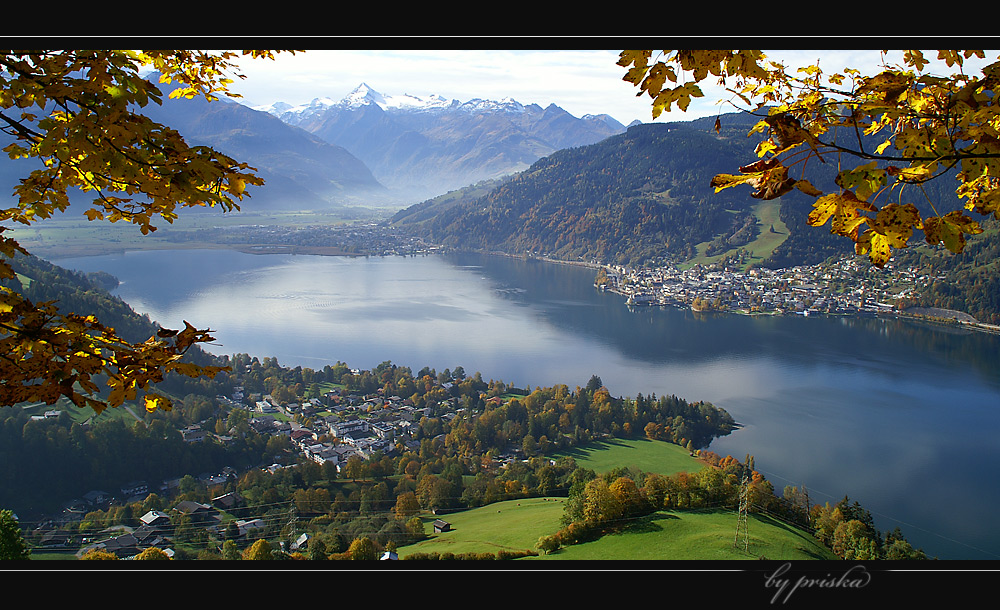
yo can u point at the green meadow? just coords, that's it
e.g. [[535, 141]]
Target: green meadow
[[636, 454], [513, 525], [767, 213], [699, 535], [516, 525]]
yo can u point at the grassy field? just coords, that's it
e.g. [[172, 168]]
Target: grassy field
[[636, 454], [665, 535], [514, 525], [127, 411], [767, 213], [677, 535]]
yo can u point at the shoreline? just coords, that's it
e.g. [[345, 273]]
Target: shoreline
[[943, 321]]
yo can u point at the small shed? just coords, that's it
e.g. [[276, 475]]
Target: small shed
[[440, 525]]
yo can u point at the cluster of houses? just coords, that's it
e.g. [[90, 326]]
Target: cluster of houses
[[155, 528], [846, 286], [341, 425], [334, 428]]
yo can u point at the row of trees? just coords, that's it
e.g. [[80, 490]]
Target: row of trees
[[557, 417], [496, 417]]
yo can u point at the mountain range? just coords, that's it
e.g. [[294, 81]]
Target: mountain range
[[422, 147], [368, 149], [301, 171]]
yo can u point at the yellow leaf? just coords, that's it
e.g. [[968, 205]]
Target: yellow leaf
[[724, 181], [637, 57], [155, 401], [950, 230], [880, 250], [915, 58], [896, 223], [865, 180], [823, 209], [788, 130], [806, 187], [914, 173], [843, 208]]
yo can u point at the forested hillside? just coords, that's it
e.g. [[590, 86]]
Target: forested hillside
[[968, 282], [633, 197], [639, 196]]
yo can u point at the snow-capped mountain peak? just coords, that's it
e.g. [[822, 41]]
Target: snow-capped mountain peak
[[363, 95], [504, 105]]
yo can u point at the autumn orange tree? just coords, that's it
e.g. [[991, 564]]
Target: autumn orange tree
[[77, 114], [925, 125]]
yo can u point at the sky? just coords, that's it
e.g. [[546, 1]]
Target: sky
[[584, 81]]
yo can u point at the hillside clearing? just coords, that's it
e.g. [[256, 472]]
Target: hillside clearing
[[636, 454], [768, 216]]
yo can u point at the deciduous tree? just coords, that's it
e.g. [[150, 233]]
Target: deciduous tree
[[12, 545], [77, 114], [99, 555], [259, 550], [852, 540], [153, 553], [601, 506], [362, 549], [548, 544], [926, 125], [406, 505], [229, 551]]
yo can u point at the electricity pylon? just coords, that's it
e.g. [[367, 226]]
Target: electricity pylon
[[741, 522]]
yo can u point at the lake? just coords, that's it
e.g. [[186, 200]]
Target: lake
[[900, 416]]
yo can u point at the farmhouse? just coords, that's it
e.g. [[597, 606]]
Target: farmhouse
[[440, 525]]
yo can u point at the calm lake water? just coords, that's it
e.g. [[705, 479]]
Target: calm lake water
[[900, 416]]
